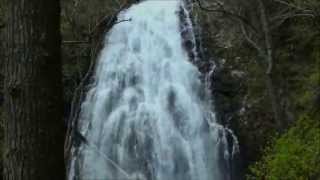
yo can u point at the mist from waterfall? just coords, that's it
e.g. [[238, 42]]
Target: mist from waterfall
[[148, 116]]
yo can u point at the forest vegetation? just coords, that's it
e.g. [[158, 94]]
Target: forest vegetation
[[286, 147], [266, 83]]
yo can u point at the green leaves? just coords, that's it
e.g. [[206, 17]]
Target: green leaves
[[294, 156]]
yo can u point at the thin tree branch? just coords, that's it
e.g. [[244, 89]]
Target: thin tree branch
[[252, 42], [279, 20], [110, 20], [227, 13], [284, 17], [291, 5], [267, 39], [125, 20], [75, 42]]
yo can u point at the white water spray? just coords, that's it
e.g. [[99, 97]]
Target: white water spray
[[147, 115]]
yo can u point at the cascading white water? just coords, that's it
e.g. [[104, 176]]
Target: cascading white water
[[147, 115]]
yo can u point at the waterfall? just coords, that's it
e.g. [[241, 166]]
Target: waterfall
[[147, 115]]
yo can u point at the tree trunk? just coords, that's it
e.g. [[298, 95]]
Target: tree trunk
[[33, 123], [273, 93], [275, 101]]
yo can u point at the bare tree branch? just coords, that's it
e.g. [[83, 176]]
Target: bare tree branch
[[292, 5], [283, 17], [251, 41], [124, 20], [267, 38], [279, 20], [75, 42], [222, 10]]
